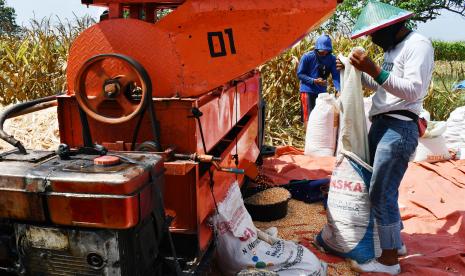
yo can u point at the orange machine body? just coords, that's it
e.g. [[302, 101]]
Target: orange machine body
[[202, 55], [202, 44]]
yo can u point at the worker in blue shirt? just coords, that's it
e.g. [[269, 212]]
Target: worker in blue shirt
[[314, 70]]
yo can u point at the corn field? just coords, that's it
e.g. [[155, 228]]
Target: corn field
[[281, 89], [33, 65]]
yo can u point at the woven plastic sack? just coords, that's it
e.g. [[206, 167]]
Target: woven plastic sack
[[455, 132], [240, 245], [322, 127], [367, 103], [353, 135], [432, 150], [351, 230]]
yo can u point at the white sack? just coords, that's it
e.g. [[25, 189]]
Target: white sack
[[350, 231], [367, 103], [455, 133], [431, 150], [239, 245], [353, 127], [425, 115], [322, 127], [435, 129]]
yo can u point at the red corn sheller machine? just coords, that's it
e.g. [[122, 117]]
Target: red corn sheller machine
[[161, 116]]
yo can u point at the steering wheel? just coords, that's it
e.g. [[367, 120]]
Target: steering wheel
[[112, 88]]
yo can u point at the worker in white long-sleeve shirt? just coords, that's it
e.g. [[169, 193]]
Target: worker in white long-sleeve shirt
[[401, 84]]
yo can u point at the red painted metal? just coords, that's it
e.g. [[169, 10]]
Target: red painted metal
[[20, 205], [76, 192], [100, 210], [95, 211], [187, 193], [196, 57], [202, 55], [202, 44], [177, 127], [107, 160]]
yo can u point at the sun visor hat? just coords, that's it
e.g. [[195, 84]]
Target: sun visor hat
[[376, 15]]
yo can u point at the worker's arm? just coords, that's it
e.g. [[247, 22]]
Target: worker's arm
[[416, 76], [336, 77], [304, 69], [369, 82]]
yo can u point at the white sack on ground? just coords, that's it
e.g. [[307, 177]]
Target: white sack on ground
[[432, 146], [240, 246], [455, 132], [431, 150], [322, 127], [425, 114], [353, 132]]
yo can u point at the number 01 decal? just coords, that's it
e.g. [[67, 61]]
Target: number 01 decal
[[219, 35]]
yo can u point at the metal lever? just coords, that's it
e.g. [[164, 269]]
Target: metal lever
[[205, 158], [230, 170]]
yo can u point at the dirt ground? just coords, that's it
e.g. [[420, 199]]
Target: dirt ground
[[302, 223]]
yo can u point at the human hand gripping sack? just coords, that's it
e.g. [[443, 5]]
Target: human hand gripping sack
[[339, 65], [360, 60]]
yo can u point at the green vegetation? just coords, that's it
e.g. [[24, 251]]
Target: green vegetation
[[7, 19], [449, 51], [442, 99]]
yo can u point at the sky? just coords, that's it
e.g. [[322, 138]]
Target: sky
[[447, 27], [27, 9]]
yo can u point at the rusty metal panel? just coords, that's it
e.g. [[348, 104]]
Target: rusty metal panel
[[58, 251], [50, 238], [181, 195], [80, 175], [18, 194], [21, 205], [52, 250], [80, 193]]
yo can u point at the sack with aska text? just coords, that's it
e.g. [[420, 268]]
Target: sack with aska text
[[350, 231]]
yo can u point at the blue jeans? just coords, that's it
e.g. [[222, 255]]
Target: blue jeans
[[392, 142]]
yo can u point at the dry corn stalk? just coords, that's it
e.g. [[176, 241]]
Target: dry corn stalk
[[38, 130], [33, 63]]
